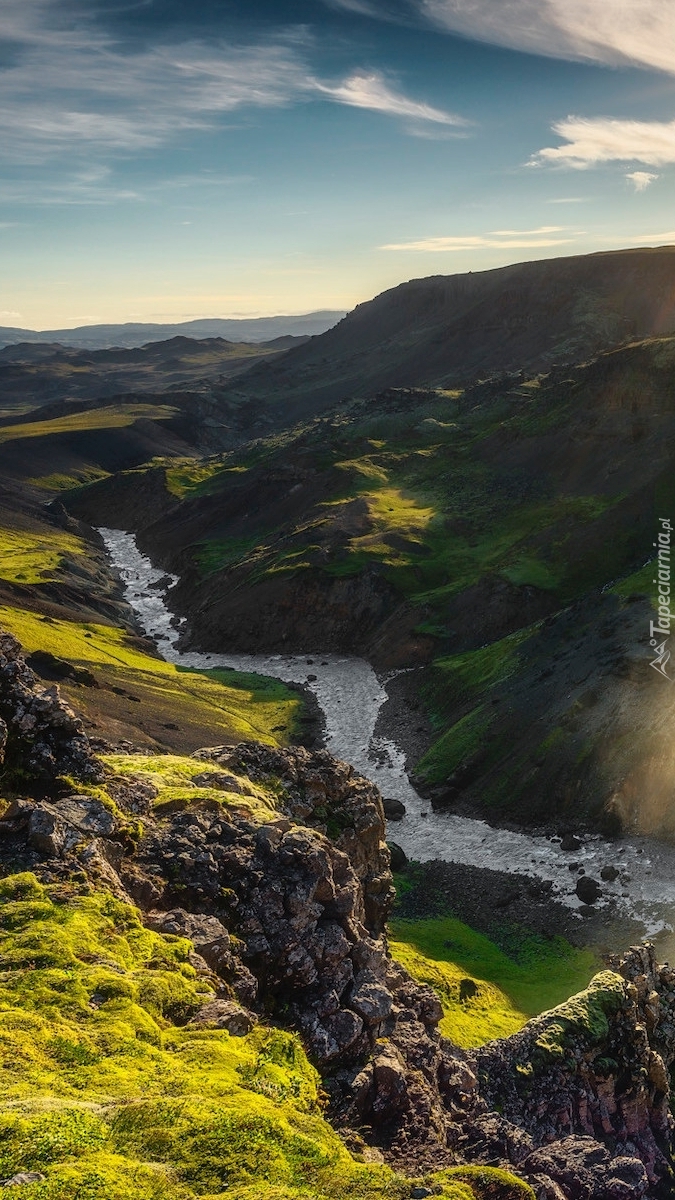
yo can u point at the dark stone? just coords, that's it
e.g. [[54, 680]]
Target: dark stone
[[609, 874], [588, 890], [570, 842], [467, 989], [394, 810], [399, 858]]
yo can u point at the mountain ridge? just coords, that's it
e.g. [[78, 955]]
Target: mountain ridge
[[446, 330], [132, 334]]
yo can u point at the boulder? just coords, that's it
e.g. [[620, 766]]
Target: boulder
[[399, 858], [570, 841], [224, 1014], [394, 810], [585, 1170], [587, 889]]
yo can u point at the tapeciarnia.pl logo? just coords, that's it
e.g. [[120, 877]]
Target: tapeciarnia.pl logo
[[658, 628]]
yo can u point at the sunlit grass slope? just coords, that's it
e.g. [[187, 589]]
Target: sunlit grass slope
[[108, 1094], [440, 513], [29, 557], [113, 416], [201, 707], [485, 993]]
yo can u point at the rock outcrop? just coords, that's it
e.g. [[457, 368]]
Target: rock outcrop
[[287, 919], [40, 736]]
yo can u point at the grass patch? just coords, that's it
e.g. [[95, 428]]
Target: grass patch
[[462, 741], [197, 478], [472, 673], [59, 482], [640, 582], [109, 1095], [216, 553], [443, 952], [114, 416], [206, 706], [35, 557]]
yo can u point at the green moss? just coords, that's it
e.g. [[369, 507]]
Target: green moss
[[172, 776], [60, 482], [510, 988], [472, 673], [641, 581], [531, 572], [216, 553], [488, 1183], [194, 477], [109, 1095], [583, 1018]]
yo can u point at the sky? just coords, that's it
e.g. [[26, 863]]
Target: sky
[[164, 160]]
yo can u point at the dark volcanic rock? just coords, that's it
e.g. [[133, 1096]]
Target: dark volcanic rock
[[394, 810], [570, 841], [41, 738], [588, 889], [399, 858], [584, 1170]]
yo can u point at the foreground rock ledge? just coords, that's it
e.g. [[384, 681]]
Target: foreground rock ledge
[[287, 920]]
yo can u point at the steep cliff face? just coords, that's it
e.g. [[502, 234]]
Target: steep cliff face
[[273, 863]]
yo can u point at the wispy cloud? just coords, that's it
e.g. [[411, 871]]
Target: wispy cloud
[[371, 90], [72, 86], [654, 239], [641, 179], [502, 239], [641, 32], [592, 140]]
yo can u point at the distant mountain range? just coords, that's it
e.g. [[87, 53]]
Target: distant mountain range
[[131, 335]]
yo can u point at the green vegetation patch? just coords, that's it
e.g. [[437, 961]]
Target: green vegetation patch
[[584, 1018], [60, 482], [491, 1183], [172, 775], [485, 992], [472, 673], [196, 477], [27, 557], [640, 582], [462, 741], [216, 704], [110, 1094], [114, 416]]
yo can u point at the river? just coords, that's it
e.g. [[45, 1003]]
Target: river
[[350, 696]]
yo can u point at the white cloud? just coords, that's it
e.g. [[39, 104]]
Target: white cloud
[[654, 239], [641, 32], [592, 140], [72, 87], [362, 90], [641, 179], [502, 239]]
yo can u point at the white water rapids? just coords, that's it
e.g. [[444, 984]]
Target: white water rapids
[[350, 695]]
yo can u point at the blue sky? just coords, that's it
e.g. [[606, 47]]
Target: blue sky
[[165, 160]]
